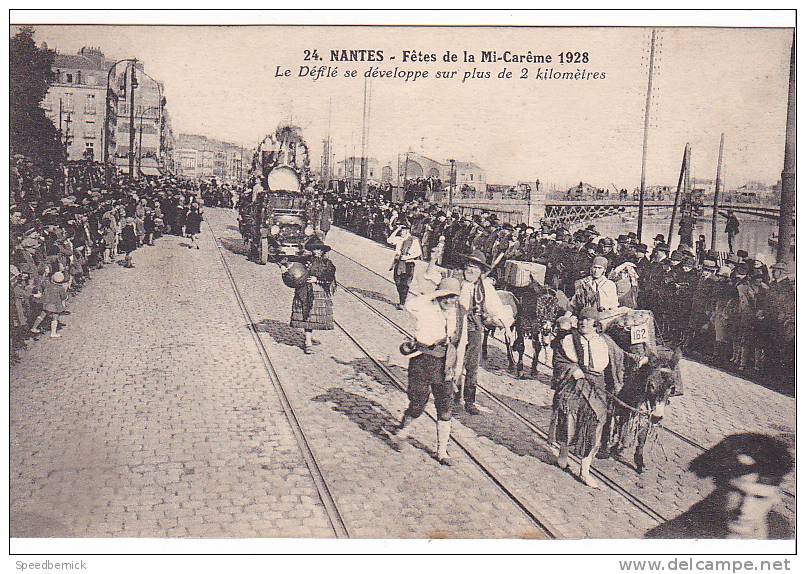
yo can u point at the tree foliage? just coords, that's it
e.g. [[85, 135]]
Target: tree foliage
[[31, 133]]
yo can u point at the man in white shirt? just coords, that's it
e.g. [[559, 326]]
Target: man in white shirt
[[595, 290], [434, 362], [407, 251]]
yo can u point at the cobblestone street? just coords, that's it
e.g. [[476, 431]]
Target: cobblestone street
[[153, 416]]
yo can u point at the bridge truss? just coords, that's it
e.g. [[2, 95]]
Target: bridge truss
[[570, 213]]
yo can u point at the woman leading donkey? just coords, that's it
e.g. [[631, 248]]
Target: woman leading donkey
[[589, 367]]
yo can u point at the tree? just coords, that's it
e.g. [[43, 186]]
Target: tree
[[31, 133]]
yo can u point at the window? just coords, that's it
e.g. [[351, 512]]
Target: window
[[89, 128], [67, 102], [471, 177], [78, 77], [69, 78], [89, 105]]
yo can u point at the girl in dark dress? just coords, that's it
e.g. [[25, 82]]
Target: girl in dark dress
[[128, 240], [312, 308], [193, 225]]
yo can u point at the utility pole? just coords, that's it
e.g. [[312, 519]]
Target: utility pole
[[452, 182], [131, 120], [364, 145], [788, 174], [717, 184], [680, 180], [646, 137]]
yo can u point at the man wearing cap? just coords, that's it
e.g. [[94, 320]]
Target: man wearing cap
[[434, 365], [595, 290], [480, 307], [703, 305], [407, 251], [748, 470], [607, 249], [640, 258], [780, 310]]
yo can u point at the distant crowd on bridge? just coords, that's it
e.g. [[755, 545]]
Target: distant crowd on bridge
[[731, 311]]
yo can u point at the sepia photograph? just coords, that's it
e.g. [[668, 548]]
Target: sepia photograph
[[370, 277]]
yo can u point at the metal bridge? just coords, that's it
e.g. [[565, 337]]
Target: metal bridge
[[569, 212]]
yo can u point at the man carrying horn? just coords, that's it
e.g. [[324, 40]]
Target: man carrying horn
[[434, 365]]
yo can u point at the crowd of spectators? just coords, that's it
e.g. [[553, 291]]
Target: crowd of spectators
[[730, 311], [62, 229]]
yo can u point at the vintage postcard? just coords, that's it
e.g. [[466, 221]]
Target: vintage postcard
[[500, 283]]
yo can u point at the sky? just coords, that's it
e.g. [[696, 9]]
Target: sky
[[221, 82]]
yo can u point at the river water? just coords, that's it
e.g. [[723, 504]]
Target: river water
[[753, 232]]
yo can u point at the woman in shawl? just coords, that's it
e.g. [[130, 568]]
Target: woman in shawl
[[588, 366], [312, 307]]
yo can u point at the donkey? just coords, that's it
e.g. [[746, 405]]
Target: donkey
[[640, 407], [536, 309]]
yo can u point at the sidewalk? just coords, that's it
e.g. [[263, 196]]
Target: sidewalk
[[152, 415]]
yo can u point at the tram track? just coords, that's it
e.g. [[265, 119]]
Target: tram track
[[525, 506], [531, 425], [332, 511], [678, 435], [334, 515]]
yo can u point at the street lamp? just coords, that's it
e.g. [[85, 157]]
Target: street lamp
[[133, 62], [106, 111], [140, 142], [131, 116]]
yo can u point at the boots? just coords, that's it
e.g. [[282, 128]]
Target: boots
[[54, 324], [562, 459], [585, 470], [37, 322], [403, 429], [443, 437]]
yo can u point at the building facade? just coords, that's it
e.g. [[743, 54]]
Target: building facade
[[76, 103], [201, 158], [350, 168], [412, 165]]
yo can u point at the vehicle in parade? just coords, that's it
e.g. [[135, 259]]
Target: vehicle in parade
[[274, 221]]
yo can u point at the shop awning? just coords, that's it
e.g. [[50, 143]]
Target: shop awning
[[146, 170]]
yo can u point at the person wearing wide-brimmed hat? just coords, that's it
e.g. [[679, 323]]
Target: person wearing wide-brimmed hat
[[407, 251], [481, 308], [312, 306], [434, 360]]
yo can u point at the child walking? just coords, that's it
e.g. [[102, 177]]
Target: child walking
[[53, 297]]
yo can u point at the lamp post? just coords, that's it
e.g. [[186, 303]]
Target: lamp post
[[140, 142], [106, 111], [451, 182], [133, 62]]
